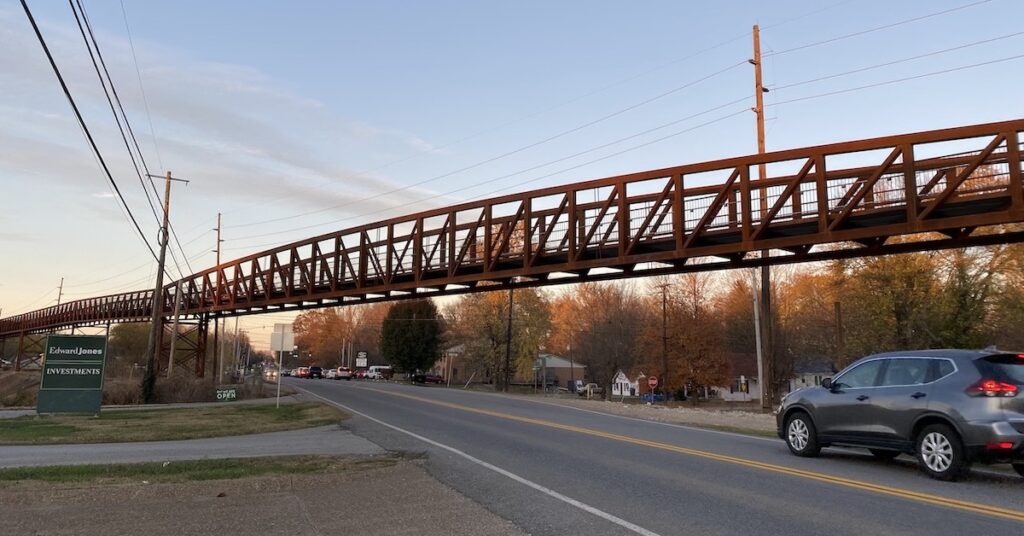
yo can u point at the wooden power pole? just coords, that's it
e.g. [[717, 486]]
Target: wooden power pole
[[767, 386], [216, 321], [156, 331]]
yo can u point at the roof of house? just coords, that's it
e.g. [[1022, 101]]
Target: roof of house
[[743, 364], [555, 361], [813, 366]]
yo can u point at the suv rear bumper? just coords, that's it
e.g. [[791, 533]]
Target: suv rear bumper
[[981, 437]]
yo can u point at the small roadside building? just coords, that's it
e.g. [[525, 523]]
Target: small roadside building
[[622, 386], [560, 371]]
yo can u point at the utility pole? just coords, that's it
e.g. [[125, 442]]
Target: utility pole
[[174, 328], [767, 388], [217, 353], [237, 354], [840, 334], [60, 290], [664, 339], [156, 331], [508, 342]]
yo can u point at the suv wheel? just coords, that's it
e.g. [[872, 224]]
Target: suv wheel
[[1019, 467], [801, 437], [940, 452]]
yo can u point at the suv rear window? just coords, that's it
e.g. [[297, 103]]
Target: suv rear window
[[1003, 367]]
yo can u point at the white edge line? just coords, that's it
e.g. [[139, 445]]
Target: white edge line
[[545, 490]]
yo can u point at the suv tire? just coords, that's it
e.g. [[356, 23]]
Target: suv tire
[[940, 452], [801, 436]]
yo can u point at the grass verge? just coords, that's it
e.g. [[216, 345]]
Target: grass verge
[[166, 424], [190, 470]]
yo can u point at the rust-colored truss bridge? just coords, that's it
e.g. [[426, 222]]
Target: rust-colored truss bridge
[[948, 188]]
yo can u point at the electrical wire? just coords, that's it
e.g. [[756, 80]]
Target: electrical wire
[[876, 28], [779, 103], [898, 80], [535, 179], [85, 128], [127, 124], [507, 153], [895, 62], [142, 89], [509, 175]]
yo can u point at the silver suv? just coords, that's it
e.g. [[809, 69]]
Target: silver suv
[[949, 408]]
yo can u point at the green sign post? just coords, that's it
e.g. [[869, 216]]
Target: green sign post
[[72, 379]]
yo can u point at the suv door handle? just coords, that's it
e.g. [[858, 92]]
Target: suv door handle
[[918, 394], [863, 397]]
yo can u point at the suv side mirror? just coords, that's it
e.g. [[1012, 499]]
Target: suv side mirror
[[827, 383]]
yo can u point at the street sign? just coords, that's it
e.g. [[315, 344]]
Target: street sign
[[282, 339], [72, 380], [652, 381], [361, 359]]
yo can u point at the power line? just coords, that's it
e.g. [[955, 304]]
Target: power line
[[895, 62], [127, 124], [509, 175], [876, 28], [562, 104], [535, 179], [779, 103], [511, 152], [85, 128], [515, 151], [142, 90], [898, 80]]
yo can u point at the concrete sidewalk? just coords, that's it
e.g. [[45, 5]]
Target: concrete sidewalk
[[330, 440]]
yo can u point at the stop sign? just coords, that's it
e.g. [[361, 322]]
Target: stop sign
[[652, 381]]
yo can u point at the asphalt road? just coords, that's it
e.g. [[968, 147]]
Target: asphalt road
[[552, 469]]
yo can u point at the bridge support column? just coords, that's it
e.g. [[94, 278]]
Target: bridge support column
[[202, 331], [21, 348]]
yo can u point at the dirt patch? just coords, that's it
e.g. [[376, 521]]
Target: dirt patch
[[400, 498], [18, 389]]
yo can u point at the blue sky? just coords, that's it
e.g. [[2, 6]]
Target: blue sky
[[301, 110]]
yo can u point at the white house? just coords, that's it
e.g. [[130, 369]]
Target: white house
[[810, 374], [622, 386]]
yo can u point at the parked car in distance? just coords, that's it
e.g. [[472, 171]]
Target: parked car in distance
[[425, 377], [301, 372], [287, 372], [316, 372], [330, 374], [949, 408], [591, 389], [343, 373], [379, 372], [652, 397]]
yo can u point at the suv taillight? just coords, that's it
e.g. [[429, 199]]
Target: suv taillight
[[992, 388]]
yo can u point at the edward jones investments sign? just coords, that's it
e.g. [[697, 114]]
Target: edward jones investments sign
[[72, 379]]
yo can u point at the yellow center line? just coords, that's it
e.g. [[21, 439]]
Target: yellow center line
[[995, 511]]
